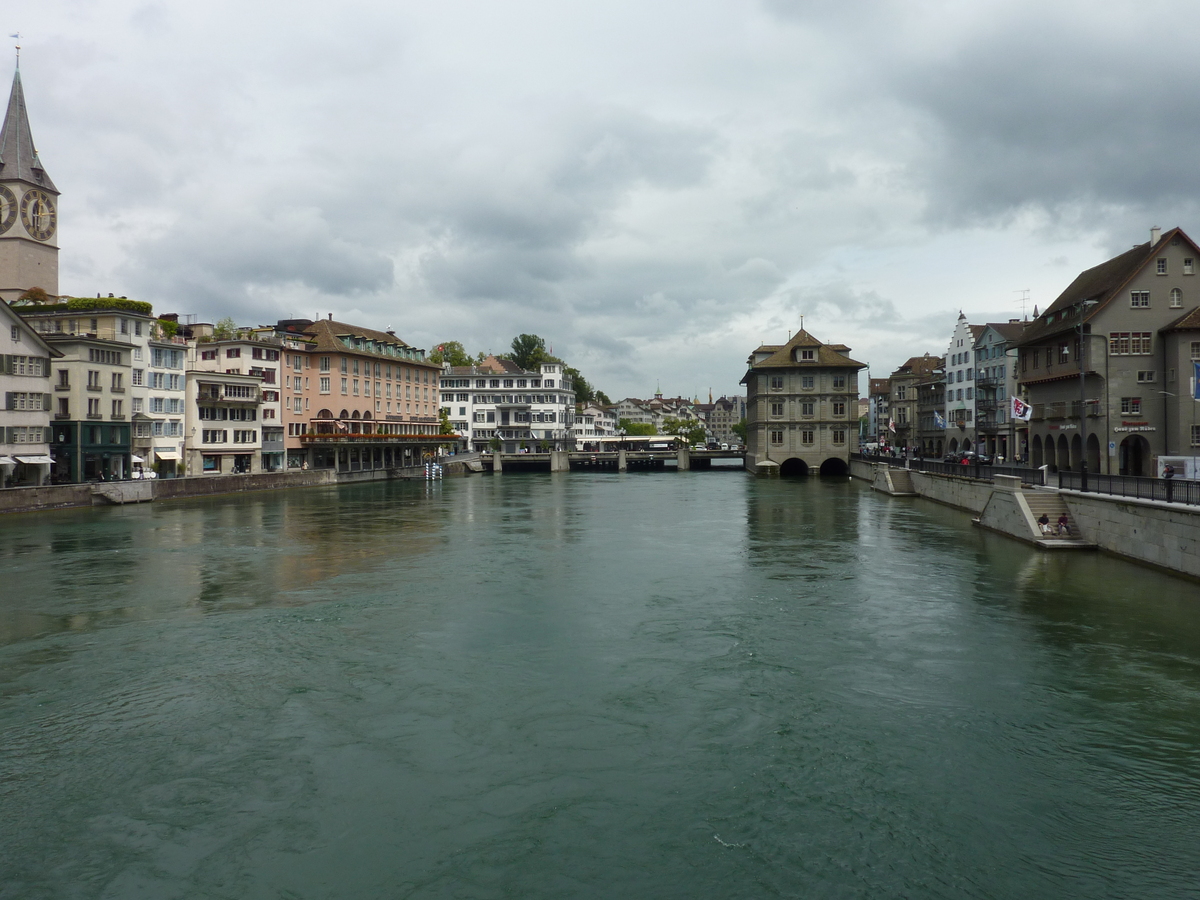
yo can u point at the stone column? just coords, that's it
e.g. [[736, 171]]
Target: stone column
[[560, 461], [622, 463], [497, 464], [685, 459]]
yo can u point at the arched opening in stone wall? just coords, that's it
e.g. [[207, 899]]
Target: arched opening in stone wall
[[793, 468], [835, 466]]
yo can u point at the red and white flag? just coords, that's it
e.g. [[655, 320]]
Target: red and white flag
[[1021, 410]]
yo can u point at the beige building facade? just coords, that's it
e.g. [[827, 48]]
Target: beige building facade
[[801, 407]]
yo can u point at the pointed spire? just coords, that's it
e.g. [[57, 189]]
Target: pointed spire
[[18, 158]]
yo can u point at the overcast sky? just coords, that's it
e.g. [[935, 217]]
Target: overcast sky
[[655, 188]]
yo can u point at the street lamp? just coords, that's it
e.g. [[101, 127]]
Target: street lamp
[[1084, 306]]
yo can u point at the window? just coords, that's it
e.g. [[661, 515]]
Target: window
[[1196, 435], [777, 382], [808, 355], [213, 436], [777, 409], [1130, 343], [64, 407], [806, 409], [839, 382], [1176, 298], [970, 392], [1162, 266], [345, 386], [1188, 266], [16, 334], [233, 353], [902, 415], [1139, 299], [960, 393], [1064, 352], [1146, 377], [806, 437], [839, 436], [808, 382], [1196, 350], [839, 408], [157, 405], [93, 407], [323, 385], [777, 438], [208, 354], [900, 391], [1131, 406]]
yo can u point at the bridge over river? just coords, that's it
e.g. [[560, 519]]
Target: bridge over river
[[681, 460]]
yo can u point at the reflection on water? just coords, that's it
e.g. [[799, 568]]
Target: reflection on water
[[658, 684]]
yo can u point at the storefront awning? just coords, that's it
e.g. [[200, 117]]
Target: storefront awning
[[7, 461], [168, 454], [35, 460], [137, 458]]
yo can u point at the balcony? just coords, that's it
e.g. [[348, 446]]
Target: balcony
[[222, 397], [95, 387]]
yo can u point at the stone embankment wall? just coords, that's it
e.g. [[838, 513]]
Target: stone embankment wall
[[66, 496], [963, 493], [57, 496], [1148, 531], [1159, 534]]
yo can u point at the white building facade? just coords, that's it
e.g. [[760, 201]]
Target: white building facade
[[497, 400]]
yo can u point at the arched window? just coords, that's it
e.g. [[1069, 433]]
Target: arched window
[[324, 414], [344, 415], [1176, 298]]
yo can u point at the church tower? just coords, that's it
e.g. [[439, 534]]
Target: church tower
[[28, 207]]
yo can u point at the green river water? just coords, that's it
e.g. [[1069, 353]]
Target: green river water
[[642, 685]]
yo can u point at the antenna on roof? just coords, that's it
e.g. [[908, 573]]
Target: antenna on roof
[[1024, 292]]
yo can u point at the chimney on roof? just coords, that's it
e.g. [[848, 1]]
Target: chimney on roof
[[1155, 234], [330, 316]]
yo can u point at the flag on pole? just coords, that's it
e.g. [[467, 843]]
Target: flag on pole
[[892, 425], [1021, 410], [938, 419]]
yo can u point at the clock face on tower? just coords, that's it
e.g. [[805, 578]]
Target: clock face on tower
[[8, 209], [38, 215]]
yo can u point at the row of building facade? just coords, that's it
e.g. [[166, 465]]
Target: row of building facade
[[1105, 375], [105, 393]]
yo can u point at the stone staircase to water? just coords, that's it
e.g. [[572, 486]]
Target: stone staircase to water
[[1015, 511]]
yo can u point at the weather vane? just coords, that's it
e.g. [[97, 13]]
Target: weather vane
[[18, 37]]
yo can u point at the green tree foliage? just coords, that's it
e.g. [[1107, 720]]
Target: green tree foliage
[[225, 329], [740, 430], [642, 429], [529, 351], [444, 418], [451, 352], [602, 398], [168, 328], [583, 390]]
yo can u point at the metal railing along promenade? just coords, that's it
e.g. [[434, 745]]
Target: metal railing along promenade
[[1169, 490]]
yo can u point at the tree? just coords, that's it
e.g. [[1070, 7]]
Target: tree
[[528, 351], [602, 399], [451, 352], [225, 329], [637, 428], [740, 430], [444, 417], [583, 390]]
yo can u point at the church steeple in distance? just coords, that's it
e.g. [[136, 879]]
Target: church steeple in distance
[[28, 206]]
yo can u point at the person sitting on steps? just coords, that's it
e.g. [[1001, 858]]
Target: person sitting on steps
[[1064, 524], [1044, 524]]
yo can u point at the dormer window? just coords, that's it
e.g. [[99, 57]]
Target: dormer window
[[808, 355]]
